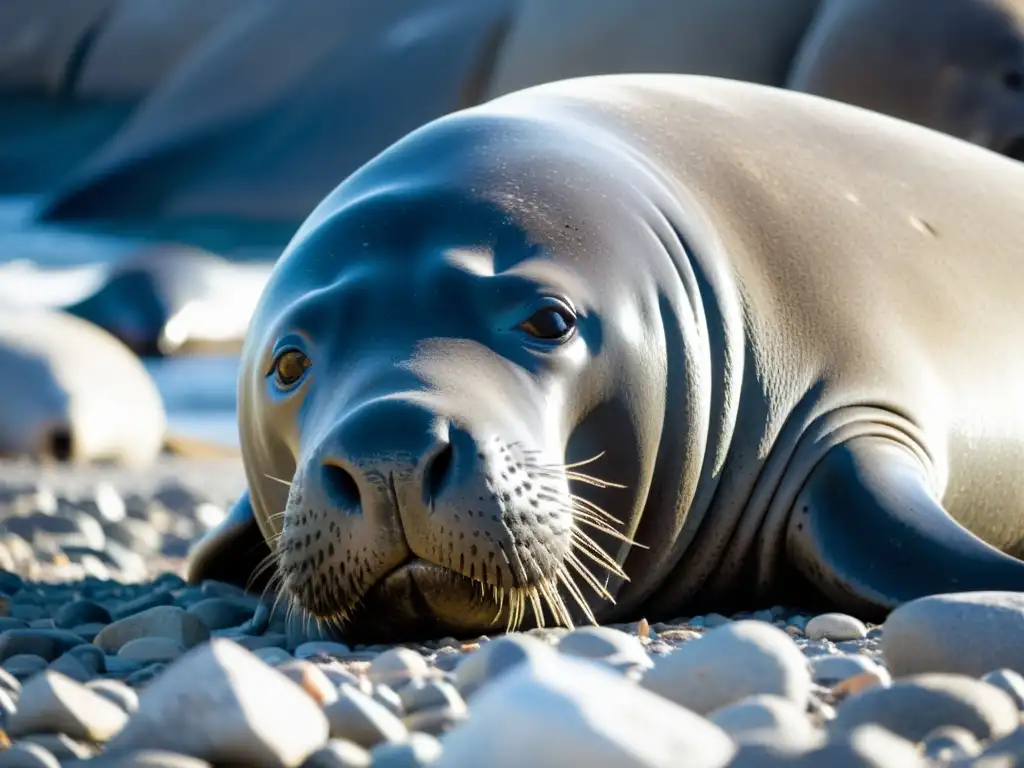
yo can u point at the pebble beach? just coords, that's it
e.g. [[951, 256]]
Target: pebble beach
[[108, 658]]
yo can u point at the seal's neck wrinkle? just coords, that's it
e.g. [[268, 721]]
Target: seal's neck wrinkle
[[704, 331]]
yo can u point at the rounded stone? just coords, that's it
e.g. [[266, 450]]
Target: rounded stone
[[914, 706], [419, 749], [729, 663], [166, 621], [147, 650], [72, 614], [1009, 682], [968, 633], [766, 718], [339, 753], [828, 670], [358, 718], [610, 646], [950, 742], [494, 659], [836, 627], [397, 666]]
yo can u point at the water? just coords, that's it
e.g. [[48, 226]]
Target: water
[[53, 265]]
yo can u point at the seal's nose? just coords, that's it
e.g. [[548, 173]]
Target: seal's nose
[[391, 445]]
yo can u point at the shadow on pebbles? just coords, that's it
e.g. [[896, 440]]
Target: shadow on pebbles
[[108, 658]]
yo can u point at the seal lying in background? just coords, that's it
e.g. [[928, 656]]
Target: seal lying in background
[[953, 65], [787, 326], [72, 392]]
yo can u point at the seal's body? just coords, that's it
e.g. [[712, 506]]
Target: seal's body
[[788, 326]]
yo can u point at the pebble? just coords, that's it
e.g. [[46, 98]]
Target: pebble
[[836, 627], [358, 718], [729, 663], [165, 621], [321, 648], [949, 742], [609, 646], [25, 754], [426, 694], [312, 679], [201, 707], [914, 706], [553, 710], [147, 650], [1008, 681], [397, 666], [338, 753], [52, 702], [72, 614], [114, 690], [969, 633], [142, 758], [24, 665], [47, 643], [766, 718], [495, 659], [418, 750], [222, 612], [828, 670]]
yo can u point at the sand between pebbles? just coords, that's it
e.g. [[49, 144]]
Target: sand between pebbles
[[107, 658]]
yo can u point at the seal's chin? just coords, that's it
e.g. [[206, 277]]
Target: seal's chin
[[421, 601]]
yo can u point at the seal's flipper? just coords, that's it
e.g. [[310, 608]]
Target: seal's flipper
[[232, 551], [867, 531]]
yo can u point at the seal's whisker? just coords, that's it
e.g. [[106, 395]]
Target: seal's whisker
[[575, 464], [535, 604], [591, 480], [588, 577], [278, 480], [593, 550], [596, 509], [585, 517], [549, 589], [574, 591]]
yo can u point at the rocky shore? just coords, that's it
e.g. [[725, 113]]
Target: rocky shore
[[107, 658]]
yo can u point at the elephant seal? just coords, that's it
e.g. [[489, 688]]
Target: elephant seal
[[953, 65], [788, 327], [72, 392], [277, 103]]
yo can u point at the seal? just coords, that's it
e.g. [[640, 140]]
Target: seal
[[785, 325], [953, 65], [72, 392]]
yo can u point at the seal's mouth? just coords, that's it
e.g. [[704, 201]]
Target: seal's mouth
[[420, 600]]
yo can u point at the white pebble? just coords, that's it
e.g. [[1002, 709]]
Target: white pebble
[[836, 627]]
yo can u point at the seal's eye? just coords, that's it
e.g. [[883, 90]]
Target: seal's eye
[[290, 366], [551, 323]]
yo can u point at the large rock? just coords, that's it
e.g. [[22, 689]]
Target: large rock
[[729, 663], [553, 710], [969, 633], [220, 703]]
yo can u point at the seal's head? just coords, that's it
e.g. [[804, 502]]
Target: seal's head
[[442, 352], [953, 65]]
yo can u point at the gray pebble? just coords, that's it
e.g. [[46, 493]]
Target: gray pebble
[[90, 656], [116, 665], [321, 648], [48, 643], [70, 615], [147, 650], [166, 621], [553, 709], [969, 633], [147, 674], [143, 604], [435, 720], [610, 646], [397, 666], [425, 694], [9, 682], [273, 640], [114, 690], [88, 632], [61, 746], [195, 707], [829, 670], [24, 665], [358, 718], [136, 535], [27, 612], [27, 755], [72, 667], [913, 706], [950, 742], [222, 612], [51, 702], [338, 753], [145, 758], [835, 627], [311, 678], [767, 718], [1008, 681], [9, 622], [385, 695], [494, 659], [727, 664], [419, 750], [272, 655]]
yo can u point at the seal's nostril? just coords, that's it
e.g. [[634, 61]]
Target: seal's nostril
[[1015, 149], [437, 471], [341, 487]]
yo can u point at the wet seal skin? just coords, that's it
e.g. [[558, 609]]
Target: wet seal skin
[[637, 345]]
